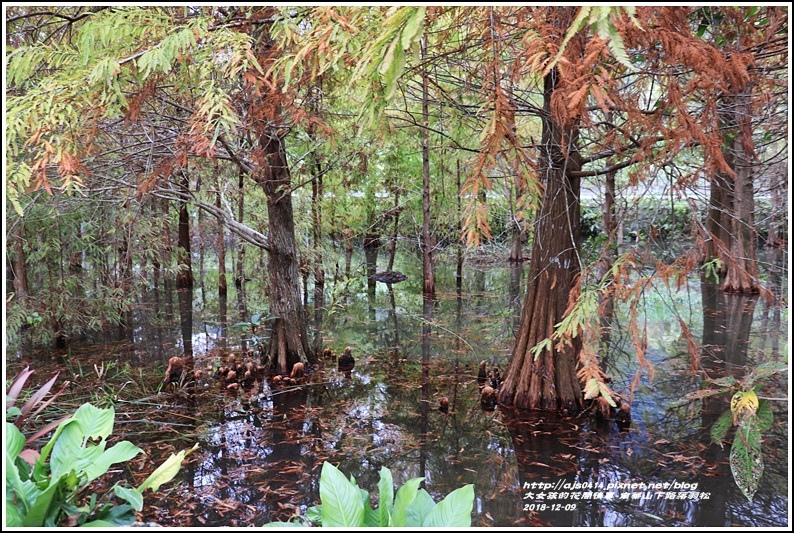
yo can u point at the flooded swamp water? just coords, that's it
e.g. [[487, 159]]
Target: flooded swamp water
[[261, 447]]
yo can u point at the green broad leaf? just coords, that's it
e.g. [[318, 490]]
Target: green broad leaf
[[341, 501], [315, 515], [746, 460], [386, 497], [764, 417], [419, 509], [120, 453], [114, 515], [45, 452], [284, 524], [720, 428], [405, 495], [26, 492], [98, 523], [13, 516], [45, 505], [166, 471], [15, 441], [131, 496], [95, 422], [371, 517], [454, 510], [69, 453]]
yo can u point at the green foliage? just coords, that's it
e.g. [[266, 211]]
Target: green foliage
[[345, 504], [47, 488], [750, 414]]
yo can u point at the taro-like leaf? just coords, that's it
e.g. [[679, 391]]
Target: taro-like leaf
[[315, 515], [131, 496], [454, 510], [747, 462], [15, 441], [44, 506], [13, 517], [419, 508], [371, 516], [386, 497], [405, 495], [341, 501], [166, 471], [120, 453], [95, 422]]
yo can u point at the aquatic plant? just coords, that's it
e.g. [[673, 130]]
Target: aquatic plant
[[345, 504], [48, 487]]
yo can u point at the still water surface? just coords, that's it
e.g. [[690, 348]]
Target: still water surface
[[261, 449]]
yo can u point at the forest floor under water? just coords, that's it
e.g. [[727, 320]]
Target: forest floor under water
[[261, 447]]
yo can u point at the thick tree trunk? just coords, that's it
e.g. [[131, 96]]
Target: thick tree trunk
[[288, 342], [718, 220], [730, 222], [549, 381], [742, 273]]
